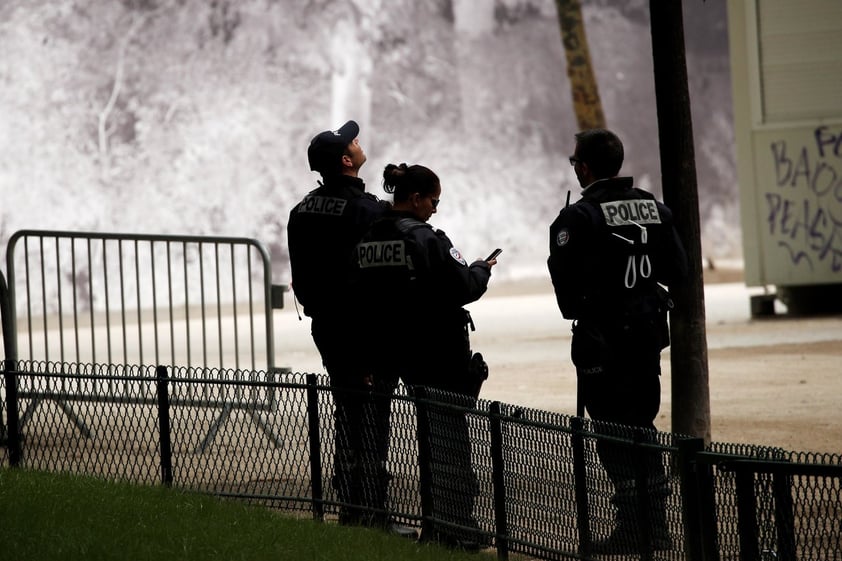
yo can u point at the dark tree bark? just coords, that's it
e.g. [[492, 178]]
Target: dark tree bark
[[689, 357]]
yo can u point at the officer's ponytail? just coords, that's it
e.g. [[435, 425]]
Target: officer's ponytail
[[393, 177], [402, 181]]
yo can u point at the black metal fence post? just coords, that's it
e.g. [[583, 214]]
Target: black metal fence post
[[784, 516], [425, 461], [705, 482], [641, 483], [691, 504], [13, 435], [315, 441], [498, 478], [580, 485], [7, 320], [747, 513], [164, 424]]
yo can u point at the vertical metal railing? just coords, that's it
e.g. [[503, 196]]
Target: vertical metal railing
[[580, 475], [106, 284], [425, 460], [129, 299], [11, 427], [501, 527], [164, 425], [314, 440]]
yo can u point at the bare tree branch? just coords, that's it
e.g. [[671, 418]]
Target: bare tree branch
[[105, 114]]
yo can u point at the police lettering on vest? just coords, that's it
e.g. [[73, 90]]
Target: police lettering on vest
[[382, 254], [315, 204], [638, 211]]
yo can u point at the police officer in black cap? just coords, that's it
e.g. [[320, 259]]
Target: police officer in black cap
[[322, 232], [610, 255]]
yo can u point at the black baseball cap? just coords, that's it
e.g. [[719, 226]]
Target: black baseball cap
[[327, 148]]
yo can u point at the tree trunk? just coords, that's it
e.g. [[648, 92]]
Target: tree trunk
[[586, 102], [689, 357]]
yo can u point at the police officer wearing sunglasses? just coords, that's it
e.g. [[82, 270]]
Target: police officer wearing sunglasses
[[610, 255]]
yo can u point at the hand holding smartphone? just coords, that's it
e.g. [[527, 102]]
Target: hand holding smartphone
[[494, 254]]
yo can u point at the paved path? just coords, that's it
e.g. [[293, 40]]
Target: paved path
[[527, 325], [775, 381]]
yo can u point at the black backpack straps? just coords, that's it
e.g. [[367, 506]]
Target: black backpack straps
[[407, 225], [414, 247]]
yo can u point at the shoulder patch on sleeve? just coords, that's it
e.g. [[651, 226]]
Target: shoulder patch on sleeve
[[562, 237], [457, 256]]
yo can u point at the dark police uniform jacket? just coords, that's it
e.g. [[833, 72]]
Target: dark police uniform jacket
[[609, 252], [420, 283], [322, 232]]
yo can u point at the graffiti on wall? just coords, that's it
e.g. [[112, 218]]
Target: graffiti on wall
[[805, 207]]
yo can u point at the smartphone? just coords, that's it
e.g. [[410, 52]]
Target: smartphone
[[494, 254]]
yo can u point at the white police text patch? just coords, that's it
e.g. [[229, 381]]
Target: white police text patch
[[382, 254], [457, 256], [316, 204], [562, 237], [637, 211]]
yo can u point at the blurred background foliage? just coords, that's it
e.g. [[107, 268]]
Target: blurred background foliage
[[193, 116]]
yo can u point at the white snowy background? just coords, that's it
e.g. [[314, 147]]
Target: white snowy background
[[193, 116]]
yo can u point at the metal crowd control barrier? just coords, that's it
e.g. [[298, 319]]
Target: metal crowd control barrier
[[199, 302]]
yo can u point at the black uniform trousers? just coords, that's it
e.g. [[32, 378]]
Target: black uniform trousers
[[445, 376], [618, 368], [361, 423]]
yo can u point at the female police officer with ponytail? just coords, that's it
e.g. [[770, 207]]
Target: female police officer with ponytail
[[421, 283]]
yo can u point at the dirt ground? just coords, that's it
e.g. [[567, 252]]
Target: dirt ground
[[775, 381]]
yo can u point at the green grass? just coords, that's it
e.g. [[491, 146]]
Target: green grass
[[46, 517]]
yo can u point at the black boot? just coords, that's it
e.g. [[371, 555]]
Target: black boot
[[626, 537]]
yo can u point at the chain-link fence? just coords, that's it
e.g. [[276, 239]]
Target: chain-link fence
[[524, 481]]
